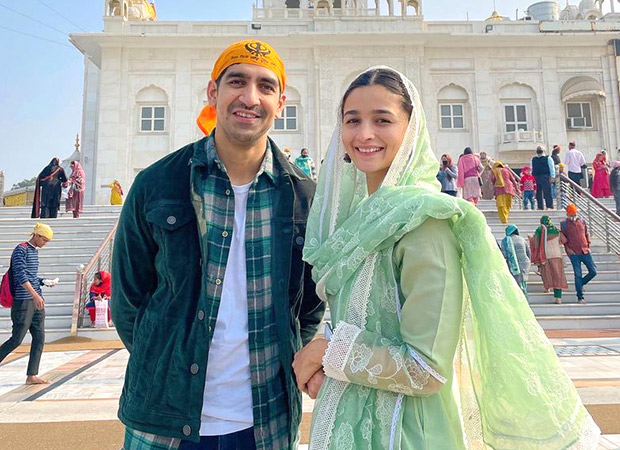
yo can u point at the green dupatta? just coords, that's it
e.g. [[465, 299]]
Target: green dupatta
[[512, 391]]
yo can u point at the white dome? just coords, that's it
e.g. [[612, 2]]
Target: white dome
[[569, 13], [588, 7]]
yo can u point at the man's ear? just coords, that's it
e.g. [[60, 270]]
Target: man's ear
[[281, 103], [212, 93]]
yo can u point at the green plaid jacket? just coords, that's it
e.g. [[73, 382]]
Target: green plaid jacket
[[188, 242]]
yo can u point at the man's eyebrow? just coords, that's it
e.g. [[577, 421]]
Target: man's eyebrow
[[244, 76]]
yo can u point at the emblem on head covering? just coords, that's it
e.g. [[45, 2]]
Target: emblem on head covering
[[257, 49]]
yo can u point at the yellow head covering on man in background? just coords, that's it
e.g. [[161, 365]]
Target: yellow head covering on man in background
[[249, 51], [44, 230]]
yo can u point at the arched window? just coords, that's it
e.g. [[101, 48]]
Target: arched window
[[152, 103], [452, 101], [582, 97], [518, 106]]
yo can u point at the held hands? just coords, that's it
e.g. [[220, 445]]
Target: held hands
[[308, 366]]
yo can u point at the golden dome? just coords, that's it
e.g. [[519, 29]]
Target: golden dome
[[496, 17]]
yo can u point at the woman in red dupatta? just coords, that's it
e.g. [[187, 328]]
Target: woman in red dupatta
[[547, 254], [600, 183], [100, 289], [77, 185]]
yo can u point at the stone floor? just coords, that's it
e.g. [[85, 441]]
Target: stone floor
[[86, 384]]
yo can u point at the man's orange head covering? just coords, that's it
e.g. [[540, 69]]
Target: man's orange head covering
[[571, 209], [249, 51]]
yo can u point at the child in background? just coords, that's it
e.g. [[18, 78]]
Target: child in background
[[99, 290], [528, 187]]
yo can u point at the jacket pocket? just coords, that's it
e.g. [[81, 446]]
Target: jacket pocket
[[174, 230]]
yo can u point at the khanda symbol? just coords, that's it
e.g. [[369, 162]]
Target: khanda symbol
[[257, 49]]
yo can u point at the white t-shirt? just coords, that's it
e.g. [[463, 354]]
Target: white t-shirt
[[574, 160], [227, 405]]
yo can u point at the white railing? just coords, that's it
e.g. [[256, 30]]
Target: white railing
[[602, 222], [101, 260]]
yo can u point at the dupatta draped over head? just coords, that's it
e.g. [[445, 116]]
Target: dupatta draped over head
[[513, 393]]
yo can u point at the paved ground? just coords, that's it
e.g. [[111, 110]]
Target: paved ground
[[77, 410]]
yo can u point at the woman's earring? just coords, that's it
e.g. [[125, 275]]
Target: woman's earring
[[347, 158]]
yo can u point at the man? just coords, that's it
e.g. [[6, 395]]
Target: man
[[28, 310], [543, 171], [306, 164], [555, 154], [574, 160], [211, 296], [576, 240]]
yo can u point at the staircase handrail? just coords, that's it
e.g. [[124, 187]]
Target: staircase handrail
[[517, 193], [101, 260], [602, 221]]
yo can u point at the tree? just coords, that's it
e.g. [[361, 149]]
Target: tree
[[25, 183]]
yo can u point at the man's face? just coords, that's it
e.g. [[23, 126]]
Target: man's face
[[39, 241], [247, 101], [572, 217]]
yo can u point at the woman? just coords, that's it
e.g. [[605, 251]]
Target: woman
[[447, 175], [485, 177], [48, 189], [517, 255], [100, 289], [600, 182], [77, 184], [386, 249], [546, 247], [469, 176], [506, 186], [116, 193]]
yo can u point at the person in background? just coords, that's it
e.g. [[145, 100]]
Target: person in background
[[116, 193], [101, 289], [546, 251], [516, 251], [487, 189], [576, 240], [528, 187], [469, 170], [614, 183], [506, 187], [306, 164], [543, 170], [555, 154], [77, 185], [574, 161], [28, 309], [600, 183], [447, 175], [287, 153], [48, 190]]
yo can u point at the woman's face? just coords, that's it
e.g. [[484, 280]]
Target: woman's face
[[373, 128], [97, 281]]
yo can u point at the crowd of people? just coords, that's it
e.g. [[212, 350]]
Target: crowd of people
[[477, 176]]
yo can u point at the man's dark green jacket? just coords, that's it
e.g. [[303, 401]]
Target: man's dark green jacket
[[157, 305]]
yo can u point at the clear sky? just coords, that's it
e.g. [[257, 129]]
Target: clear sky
[[41, 78]]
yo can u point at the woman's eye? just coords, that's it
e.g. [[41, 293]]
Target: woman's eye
[[351, 121]]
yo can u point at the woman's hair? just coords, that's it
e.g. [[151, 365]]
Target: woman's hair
[[448, 158], [98, 275], [381, 77], [467, 151]]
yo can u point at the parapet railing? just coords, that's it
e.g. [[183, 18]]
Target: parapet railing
[[101, 260], [518, 195], [602, 222]]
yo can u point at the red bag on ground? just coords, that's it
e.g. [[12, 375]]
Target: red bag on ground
[[6, 291]]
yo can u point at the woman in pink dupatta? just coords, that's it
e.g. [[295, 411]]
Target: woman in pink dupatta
[[468, 179], [600, 183], [77, 185]]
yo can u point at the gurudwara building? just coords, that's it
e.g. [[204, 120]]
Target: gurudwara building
[[500, 85]]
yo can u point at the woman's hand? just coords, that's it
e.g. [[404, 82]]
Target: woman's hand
[[315, 383], [308, 361]]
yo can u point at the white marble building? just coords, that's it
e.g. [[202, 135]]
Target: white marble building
[[500, 86]]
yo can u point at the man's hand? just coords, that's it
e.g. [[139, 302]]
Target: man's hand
[[39, 303], [308, 361]]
